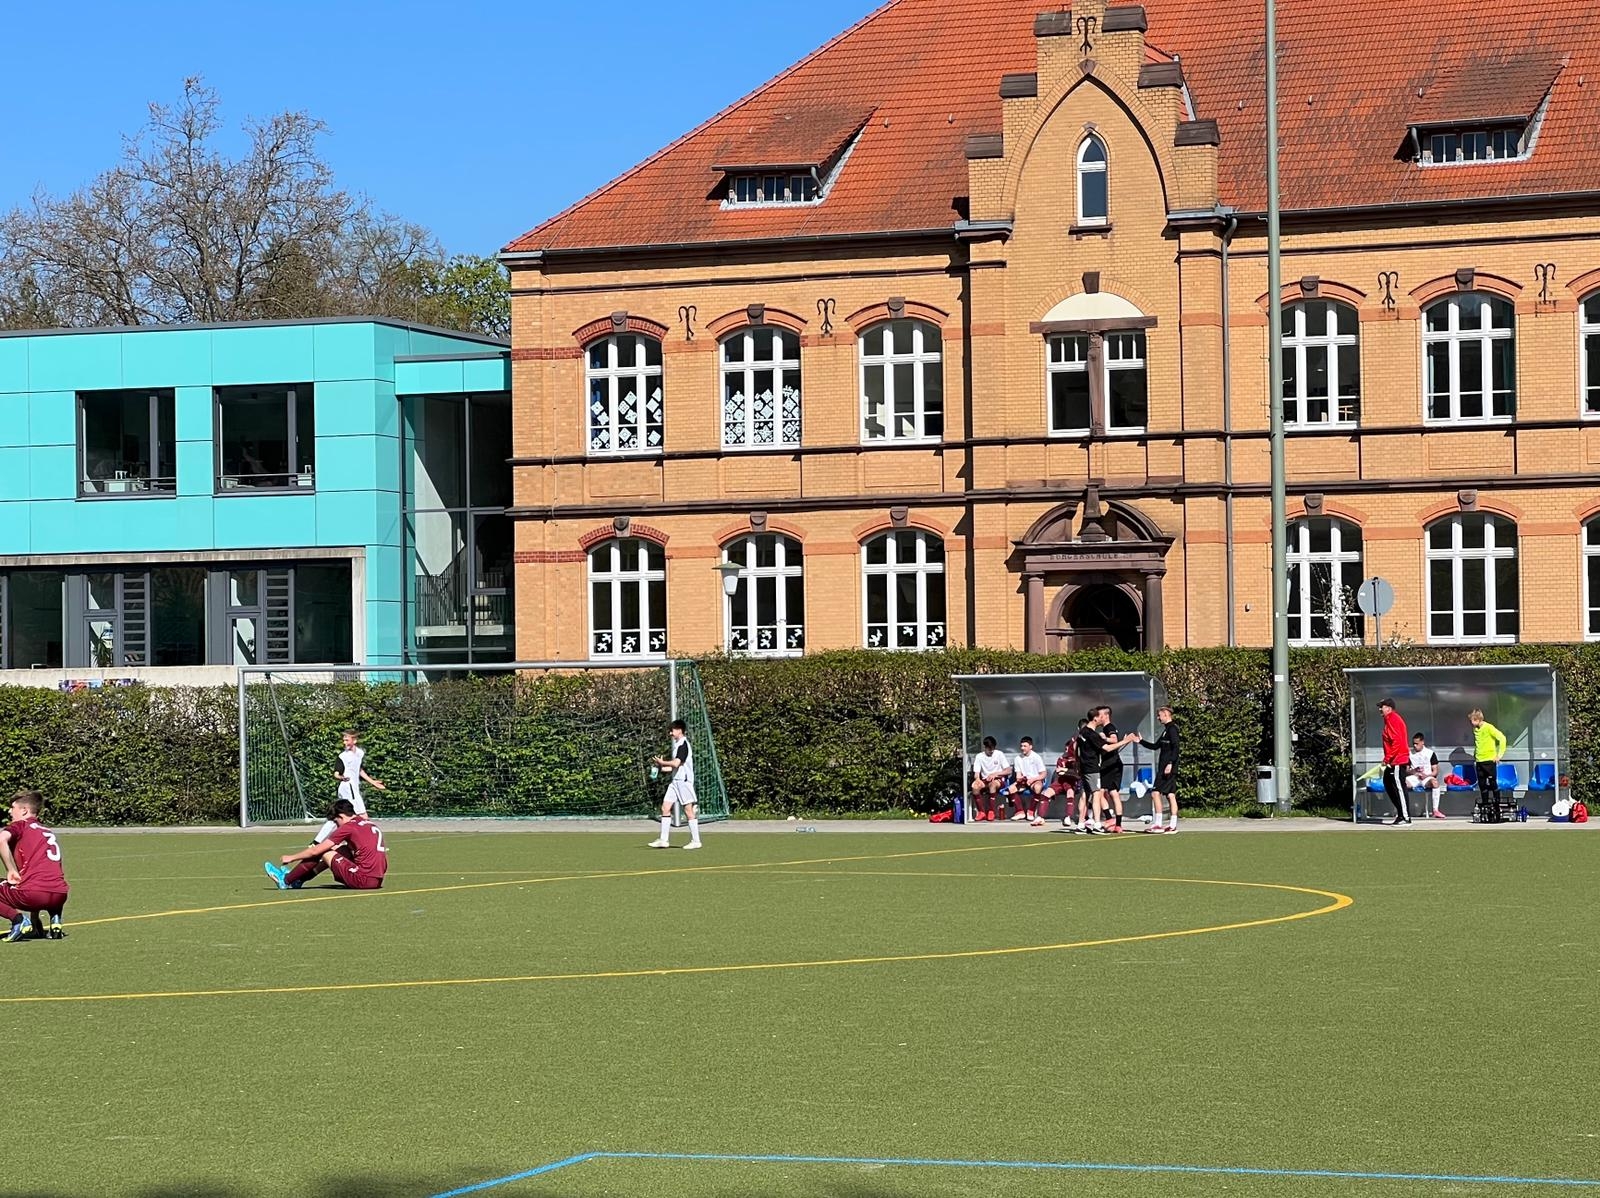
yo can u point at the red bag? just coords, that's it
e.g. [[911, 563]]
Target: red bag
[[1580, 813]]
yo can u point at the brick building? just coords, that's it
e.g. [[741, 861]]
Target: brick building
[[956, 333]]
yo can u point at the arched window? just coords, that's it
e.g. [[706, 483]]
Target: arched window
[[1472, 579], [902, 382], [1591, 579], [760, 388], [627, 599], [625, 396], [1094, 205], [1589, 330], [903, 580], [1469, 359], [1324, 576], [766, 615], [1321, 363]]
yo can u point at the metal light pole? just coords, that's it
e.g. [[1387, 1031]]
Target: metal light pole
[[1281, 745]]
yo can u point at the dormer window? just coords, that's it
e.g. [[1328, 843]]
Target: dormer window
[[1500, 144], [773, 189], [791, 156]]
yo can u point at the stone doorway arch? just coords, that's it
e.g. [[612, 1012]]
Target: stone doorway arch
[[1108, 546]]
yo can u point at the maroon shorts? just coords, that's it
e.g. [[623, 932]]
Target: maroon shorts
[[346, 872], [16, 899]]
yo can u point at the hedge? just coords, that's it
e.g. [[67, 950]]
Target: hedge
[[844, 733]]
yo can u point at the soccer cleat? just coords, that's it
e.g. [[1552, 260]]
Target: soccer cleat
[[54, 932], [693, 844], [1155, 828], [277, 873], [659, 844], [20, 930], [1440, 815], [1172, 828], [1036, 822], [1017, 816]]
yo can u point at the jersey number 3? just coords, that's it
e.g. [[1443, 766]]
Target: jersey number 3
[[52, 853]]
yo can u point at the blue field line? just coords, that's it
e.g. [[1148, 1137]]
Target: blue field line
[[1054, 1166]]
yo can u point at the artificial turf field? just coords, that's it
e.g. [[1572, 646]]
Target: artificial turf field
[[1434, 1026]]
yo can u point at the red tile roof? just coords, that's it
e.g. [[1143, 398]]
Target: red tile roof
[[928, 72]]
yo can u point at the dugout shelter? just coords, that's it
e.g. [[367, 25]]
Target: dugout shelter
[[1526, 702], [1048, 707]]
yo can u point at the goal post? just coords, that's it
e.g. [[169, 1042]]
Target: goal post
[[526, 740]]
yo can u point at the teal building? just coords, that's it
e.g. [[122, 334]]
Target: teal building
[[179, 501]]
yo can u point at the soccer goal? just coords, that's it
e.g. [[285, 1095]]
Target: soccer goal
[[543, 740]]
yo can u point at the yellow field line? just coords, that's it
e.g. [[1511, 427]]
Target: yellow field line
[[345, 895], [1338, 903]]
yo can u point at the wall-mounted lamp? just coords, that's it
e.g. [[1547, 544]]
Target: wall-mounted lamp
[[730, 577]]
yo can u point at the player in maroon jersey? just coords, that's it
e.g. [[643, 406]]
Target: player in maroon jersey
[[355, 853], [34, 878]]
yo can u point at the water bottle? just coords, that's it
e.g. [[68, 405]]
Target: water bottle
[[1358, 813]]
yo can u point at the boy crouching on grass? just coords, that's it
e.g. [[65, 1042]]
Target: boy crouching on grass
[[35, 882]]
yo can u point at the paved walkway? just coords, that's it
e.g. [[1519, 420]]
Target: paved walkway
[[632, 827]]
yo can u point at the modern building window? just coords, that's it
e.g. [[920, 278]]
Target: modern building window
[[903, 581], [766, 615], [1071, 397], [1324, 576], [1589, 331], [1094, 205], [1321, 363], [458, 535], [760, 388], [1127, 383], [1472, 580], [266, 437], [126, 443], [1470, 359], [626, 406], [902, 382], [1591, 579], [190, 615], [627, 599]]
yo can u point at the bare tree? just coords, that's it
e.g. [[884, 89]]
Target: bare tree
[[179, 231]]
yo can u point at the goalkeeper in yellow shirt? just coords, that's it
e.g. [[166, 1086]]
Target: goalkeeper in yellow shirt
[[1488, 747]]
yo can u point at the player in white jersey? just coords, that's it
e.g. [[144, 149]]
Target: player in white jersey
[[350, 774], [678, 765]]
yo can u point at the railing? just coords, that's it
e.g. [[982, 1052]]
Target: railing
[[126, 482]]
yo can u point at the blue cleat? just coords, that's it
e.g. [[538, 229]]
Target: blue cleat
[[20, 930], [277, 873]]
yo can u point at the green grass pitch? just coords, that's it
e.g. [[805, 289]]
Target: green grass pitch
[[1433, 1026]]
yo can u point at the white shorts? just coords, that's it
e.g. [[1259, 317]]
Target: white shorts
[[349, 790], [682, 792], [1417, 783]]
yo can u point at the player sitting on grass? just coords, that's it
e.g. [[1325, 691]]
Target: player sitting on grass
[[678, 765], [1028, 783], [350, 774], [990, 769], [34, 878], [355, 853]]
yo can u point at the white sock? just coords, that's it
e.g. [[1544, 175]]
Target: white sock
[[1173, 823], [324, 832], [666, 827], [694, 831]]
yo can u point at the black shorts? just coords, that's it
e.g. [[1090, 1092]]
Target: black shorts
[[1111, 779], [1166, 784]]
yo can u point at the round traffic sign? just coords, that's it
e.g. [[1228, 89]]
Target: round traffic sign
[[1375, 596]]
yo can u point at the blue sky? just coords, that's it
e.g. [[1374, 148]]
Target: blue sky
[[477, 118]]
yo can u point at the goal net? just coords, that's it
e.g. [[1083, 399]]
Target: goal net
[[541, 741]]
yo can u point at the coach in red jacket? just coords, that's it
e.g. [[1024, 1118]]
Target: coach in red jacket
[[1396, 761]]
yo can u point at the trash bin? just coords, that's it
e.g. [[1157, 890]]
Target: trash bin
[[1267, 785]]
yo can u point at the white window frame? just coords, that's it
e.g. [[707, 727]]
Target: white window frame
[[1053, 368], [1588, 329], [786, 378], [616, 376], [929, 635], [1458, 556], [919, 358], [1298, 342], [788, 639], [617, 573], [1139, 362], [1103, 167], [1302, 558], [1455, 336], [1590, 546]]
